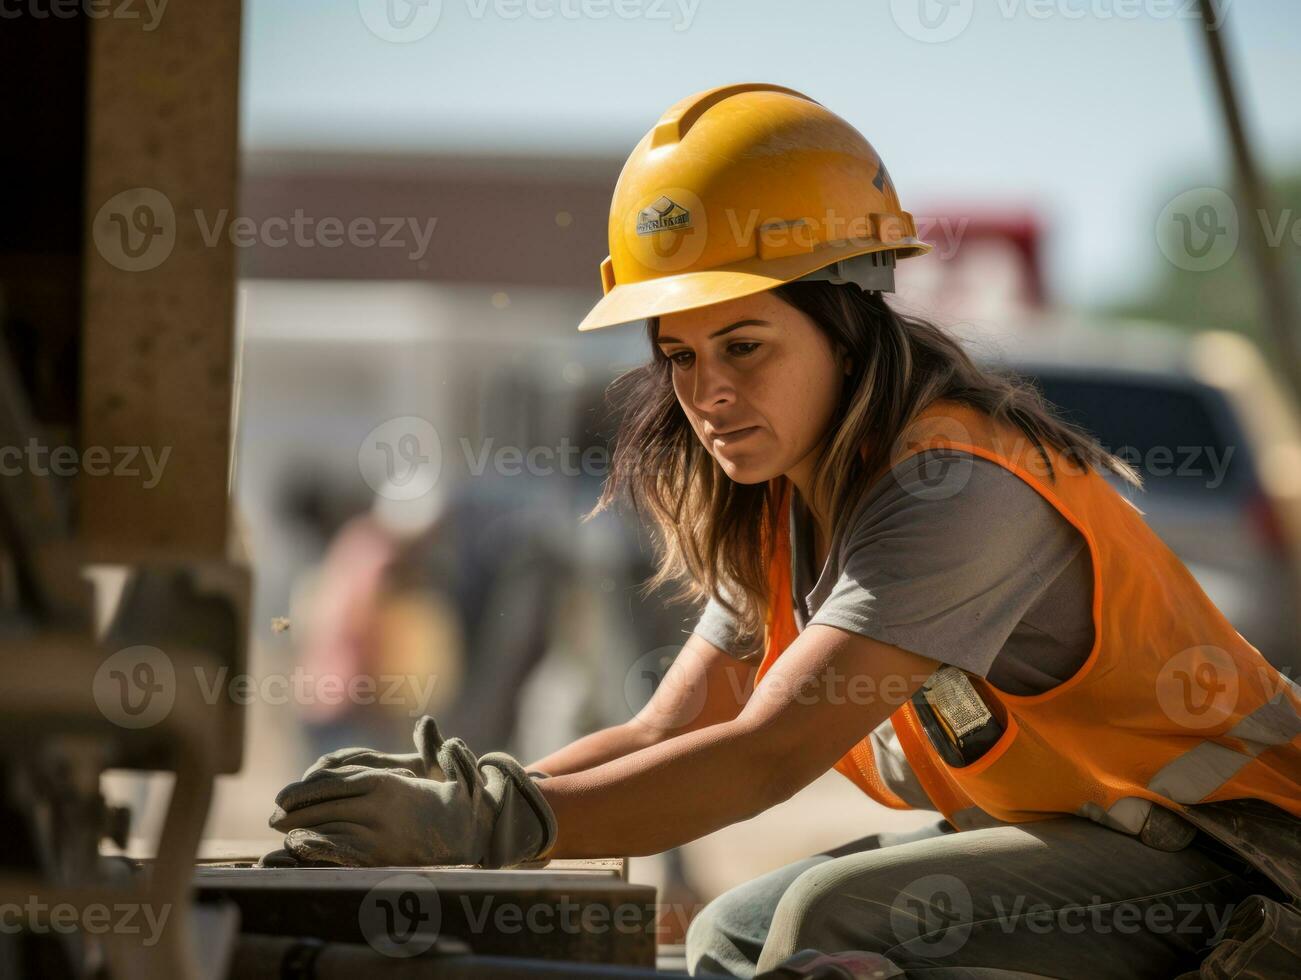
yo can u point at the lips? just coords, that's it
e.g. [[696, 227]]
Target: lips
[[736, 433]]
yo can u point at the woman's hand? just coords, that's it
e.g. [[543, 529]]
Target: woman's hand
[[486, 811], [361, 817], [422, 763]]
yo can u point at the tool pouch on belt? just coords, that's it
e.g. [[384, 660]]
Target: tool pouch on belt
[[1265, 836], [1262, 941], [954, 716], [1165, 830]]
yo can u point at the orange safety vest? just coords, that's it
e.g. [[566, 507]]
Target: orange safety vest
[[1172, 707]]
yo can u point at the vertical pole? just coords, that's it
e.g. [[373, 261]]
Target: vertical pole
[[1276, 292]]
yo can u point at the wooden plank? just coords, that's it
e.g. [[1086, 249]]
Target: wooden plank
[[218, 852], [579, 914], [158, 318], [234, 853]]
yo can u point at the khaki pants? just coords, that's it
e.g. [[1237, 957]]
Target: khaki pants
[[1061, 898]]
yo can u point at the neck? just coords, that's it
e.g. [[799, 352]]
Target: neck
[[801, 477]]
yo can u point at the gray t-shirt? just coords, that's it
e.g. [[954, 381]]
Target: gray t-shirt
[[952, 557]]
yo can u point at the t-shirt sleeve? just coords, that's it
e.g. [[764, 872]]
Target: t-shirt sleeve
[[944, 557], [719, 627]]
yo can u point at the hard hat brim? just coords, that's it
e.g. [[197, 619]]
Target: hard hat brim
[[633, 301]]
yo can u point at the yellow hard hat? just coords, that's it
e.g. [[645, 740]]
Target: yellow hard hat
[[742, 188]]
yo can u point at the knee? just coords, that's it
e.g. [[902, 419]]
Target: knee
[[719, 939], [815, 913], [801, 916]]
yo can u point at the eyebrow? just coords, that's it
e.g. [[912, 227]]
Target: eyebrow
[[718, 333]]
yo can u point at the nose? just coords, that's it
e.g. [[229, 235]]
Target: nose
[[711, 385]]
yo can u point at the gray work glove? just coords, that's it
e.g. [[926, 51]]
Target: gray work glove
[[422, 762], [488, 811]]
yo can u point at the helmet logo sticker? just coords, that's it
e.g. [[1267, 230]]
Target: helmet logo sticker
[[669, 234], [661, 214]]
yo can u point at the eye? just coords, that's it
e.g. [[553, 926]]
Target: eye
[[748, 345], [677, 356]]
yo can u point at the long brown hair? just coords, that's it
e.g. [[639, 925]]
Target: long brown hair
[[715, 535]]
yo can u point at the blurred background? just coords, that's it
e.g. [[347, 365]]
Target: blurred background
[[420, 428]]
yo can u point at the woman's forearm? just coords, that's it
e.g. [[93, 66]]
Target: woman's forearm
[[661, 796], [594, 749]]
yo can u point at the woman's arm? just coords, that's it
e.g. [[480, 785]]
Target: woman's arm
[[826, 692], [704, 686]]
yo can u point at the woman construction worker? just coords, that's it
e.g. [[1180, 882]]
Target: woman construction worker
[[914, 573]]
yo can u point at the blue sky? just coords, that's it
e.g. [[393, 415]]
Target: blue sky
[[1093, 112]]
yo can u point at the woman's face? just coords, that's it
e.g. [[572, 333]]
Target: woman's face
[[759, 366]]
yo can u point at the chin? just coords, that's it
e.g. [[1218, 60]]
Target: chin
[[745, 473]]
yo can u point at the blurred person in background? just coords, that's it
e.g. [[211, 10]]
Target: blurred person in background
[[916, 574], [450, 605]]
